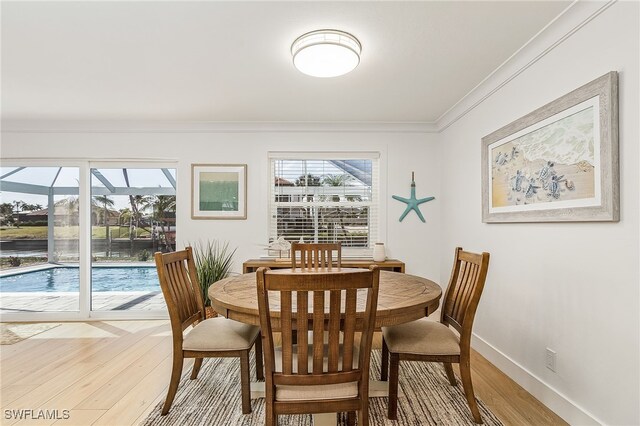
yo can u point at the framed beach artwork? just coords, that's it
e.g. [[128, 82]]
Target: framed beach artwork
[[219, 191], [557, 164]]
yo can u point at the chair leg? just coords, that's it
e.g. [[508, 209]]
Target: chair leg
[[449, 370], [384, 363], [351, 418], [392, 411], [270, 418], [363, 414], [259, 364], [244, 382], [197, 363], [465, 373], [176, 373]]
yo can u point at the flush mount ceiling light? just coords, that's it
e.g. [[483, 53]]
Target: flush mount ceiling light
[[326, 53]]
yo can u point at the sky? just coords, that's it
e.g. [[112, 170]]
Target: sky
[[69, 177]]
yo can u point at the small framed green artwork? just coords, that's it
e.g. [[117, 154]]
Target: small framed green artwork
[[219, 191]]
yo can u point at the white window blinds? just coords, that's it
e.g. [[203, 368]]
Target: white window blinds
[[325, 197]]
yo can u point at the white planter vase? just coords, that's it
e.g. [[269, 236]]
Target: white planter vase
[[379, 254]]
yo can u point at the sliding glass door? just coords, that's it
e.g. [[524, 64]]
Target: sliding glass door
[[39, 239], [132, 217], [77, 241]]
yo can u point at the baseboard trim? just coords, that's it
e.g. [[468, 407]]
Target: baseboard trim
[[560, 404]]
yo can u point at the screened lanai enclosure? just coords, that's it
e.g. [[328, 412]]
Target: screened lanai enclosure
[[80, 238]]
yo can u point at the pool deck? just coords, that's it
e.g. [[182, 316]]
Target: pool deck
[[31, 268], [65, 302], [40, 301], [13, 302]]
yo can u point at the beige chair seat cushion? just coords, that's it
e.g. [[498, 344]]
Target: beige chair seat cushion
[[422, 337], [317, 392], [220, 334]]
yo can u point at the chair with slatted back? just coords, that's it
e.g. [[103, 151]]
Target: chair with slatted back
[[209, 338], [432, 341], [313, 376], [316, 255]]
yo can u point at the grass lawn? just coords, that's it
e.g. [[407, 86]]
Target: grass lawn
[[66, 232]]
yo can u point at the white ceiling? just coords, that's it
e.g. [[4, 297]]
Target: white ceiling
[[230, 61]]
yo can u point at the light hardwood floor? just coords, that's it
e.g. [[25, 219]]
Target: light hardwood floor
[[115, 372]]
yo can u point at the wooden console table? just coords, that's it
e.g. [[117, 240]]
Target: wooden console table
[[392, 265]]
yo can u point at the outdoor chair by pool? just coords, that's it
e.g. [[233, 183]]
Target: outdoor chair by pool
[[432, 341], [313, 376], [209, 338]]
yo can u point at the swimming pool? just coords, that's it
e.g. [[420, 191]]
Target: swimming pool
[[58, 279]]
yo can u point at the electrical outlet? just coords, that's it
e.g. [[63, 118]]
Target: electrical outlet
[[550, 361]]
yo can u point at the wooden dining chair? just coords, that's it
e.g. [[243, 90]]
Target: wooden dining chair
[[432, 341], [315, 255], [209, 338], [313, 376]]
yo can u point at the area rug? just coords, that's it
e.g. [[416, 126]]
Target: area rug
[[426, 398], [13, 332]]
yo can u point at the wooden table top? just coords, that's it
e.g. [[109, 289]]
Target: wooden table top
[[401, 297]]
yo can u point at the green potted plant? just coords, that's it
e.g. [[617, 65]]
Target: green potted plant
[[213, 262]]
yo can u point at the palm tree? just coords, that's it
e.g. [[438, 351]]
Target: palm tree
[[139, 203], [6, 211], [32, 207], [337, 180], [124, 215], [106, 203], [21, 206], [71, 205], [163, 204]]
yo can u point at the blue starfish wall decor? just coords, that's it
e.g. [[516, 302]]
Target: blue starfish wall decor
[[412, 203]]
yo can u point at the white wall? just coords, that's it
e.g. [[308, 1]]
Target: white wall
[[572, 287], [411, 241]]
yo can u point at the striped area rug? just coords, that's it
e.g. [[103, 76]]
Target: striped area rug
[[426, 398]]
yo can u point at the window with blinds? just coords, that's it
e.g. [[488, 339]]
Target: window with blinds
[[325, 198]]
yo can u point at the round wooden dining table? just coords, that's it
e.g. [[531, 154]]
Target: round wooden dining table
[[401, 297]]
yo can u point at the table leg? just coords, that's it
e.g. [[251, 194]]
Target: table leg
[[325, 419], [378, 389], [257, 390]]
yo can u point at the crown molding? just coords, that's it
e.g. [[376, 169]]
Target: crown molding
[[88, 126], [570, 21]]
